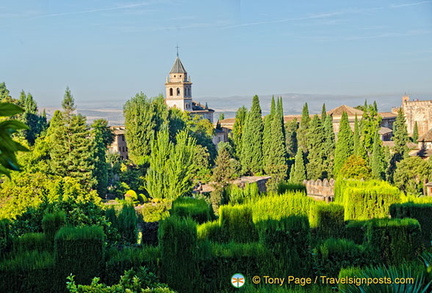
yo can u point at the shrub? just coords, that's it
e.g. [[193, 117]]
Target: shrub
[[51, 223], [178, 241], [238, 195], [237, 225], [79, 251], [334, 254], [284, 187], [156, 210], [29, 271], [394, 240], [130, 258], [327, 220], [281, 206], [418, 211], [5, 238], [211, 231], [288, 243], [197, 209], [31, 241], [356, 231], [149, 233], [127, 224]]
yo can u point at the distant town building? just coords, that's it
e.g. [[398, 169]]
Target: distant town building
[[417, 111], [178, 88], [119, 144]]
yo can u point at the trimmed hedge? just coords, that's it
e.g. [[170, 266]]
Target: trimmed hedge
[[334, 254], [127, 224], [327, 220], [420, 212], [51, 223], [356, 231], [284, 187], [5, 239], [288, 243], [128, 258], [197, 209], [32, 241], [30, 271], [238, 195], [79, 251], [281, 206], [211, 231], [156, 211], [394, 240], [236, 224], [178, 242]]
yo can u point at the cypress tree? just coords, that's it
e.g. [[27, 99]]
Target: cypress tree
[[315, 166], [370, 124], [252, 156], [302, 132], [298, 172], [36, 123], [329, 144], [358, 149], [415, 135], [291, 138], [400, 136], [237, 131], [224, 169], [378, 162], [268, 135], [344, 144]]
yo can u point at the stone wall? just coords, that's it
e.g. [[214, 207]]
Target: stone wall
[[417, 111], [320, 189]]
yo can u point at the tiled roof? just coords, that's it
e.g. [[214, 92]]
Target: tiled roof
[[345, 109], [427, 136], [178, 67]]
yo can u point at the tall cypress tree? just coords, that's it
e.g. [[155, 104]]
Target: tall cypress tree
[[291, 138], [415, 135], [252, 156], [400, 136], [344, 144], [302, 132], [358, 149], [370, 124], [237, 131], [328, 146], [378, 162], [36, 123], [298, 170], [268, 135], [315, 166]]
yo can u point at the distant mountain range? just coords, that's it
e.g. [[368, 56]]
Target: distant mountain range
[[293, 104]]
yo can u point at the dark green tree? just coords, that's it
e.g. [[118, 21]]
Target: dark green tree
[[291, 138], [415, 135], [378, 161], [400, 136], [5, 94], [103, 137], [344, 144], [224, 169], [251, 155], [358, 148], [37, 123], [302, 132], [329, 144], [370, 124], [315, 167], [268, 135], [68, 103], [298, 172], [412, 174], [355, 167], [237, 131]]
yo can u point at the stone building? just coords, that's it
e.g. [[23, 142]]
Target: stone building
[[119, 144], [178, 92], [419, 112]]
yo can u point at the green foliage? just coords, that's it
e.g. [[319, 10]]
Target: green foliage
[[400, 135], [395, 240], [281, 206], [415, 134], [127, 224], [369, 200], [36, 123], [130, 258], [384, 277], [225, 169], [356, 231], [317, 163], [303, 130], [291, 138], [5, 238], [355, 167], [327, 220], [251, 155], [236, 222], [178, 262], [288, 242], [51, 223], [238, 195], [328, 146], [9, 147], [79, 251], [335, 254], [29, 271], [31, 241], [237, 131], [139, 280], [378, 163], [196, 209], [344, 144], [156, 211], [418, 211], [298, 170], [412, 174], [212, 231], [285, 187]]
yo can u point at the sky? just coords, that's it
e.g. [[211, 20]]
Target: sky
[[106, 50]]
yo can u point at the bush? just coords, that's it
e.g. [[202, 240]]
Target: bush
[[178, 241], [79, 251], [51, 223], [211, 231], [32, 241], [327, 220], [156, 211], [29, 271], [238, 195], [127, 224], [237, 225], [356, 231], [281, 206], [394, 240], [288, 243], [5, 238], [197, 209], [284, 187], [420, 212], [149, 233], [130, 258], [334, 254]]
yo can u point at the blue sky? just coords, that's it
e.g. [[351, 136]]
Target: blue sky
[[109, 50]]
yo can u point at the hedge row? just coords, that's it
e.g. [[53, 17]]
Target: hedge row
[[197, 209], [327, 220]]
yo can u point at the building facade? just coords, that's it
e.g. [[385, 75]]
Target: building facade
[[419, 112]]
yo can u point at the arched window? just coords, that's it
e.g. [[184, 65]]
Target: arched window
[[178, 92], [171, 92]]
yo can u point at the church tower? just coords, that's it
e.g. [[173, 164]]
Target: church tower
[[178, 88]]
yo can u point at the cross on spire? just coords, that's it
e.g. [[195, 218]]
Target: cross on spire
[[177, 47]]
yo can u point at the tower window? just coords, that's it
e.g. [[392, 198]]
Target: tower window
[[171, 91], [178, 92]]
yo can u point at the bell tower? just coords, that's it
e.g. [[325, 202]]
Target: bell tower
[[178, 87]]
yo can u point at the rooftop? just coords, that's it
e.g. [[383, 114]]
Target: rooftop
[[178, 67]]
